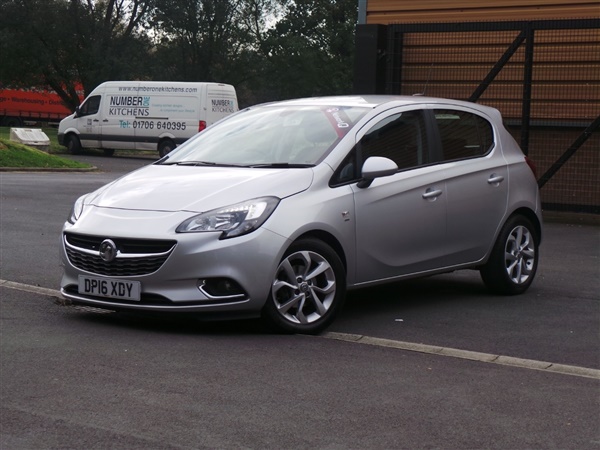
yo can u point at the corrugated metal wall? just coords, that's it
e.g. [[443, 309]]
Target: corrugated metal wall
[[446, 49], [408, 11], [565, 84]]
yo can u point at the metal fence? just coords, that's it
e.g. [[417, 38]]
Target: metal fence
[[544, 76]]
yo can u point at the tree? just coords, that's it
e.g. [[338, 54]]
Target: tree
[[96, 40], [310, 50], [268, 49]]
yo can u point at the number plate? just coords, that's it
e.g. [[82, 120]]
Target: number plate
[[109, 287]]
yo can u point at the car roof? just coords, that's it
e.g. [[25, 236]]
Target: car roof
[[374, 101]]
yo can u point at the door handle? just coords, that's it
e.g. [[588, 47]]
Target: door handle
[[495, 179], [432, 194]]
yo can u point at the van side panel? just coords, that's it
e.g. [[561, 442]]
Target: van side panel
[[173, 117], [139, 115], [119, 105], [221, 101]]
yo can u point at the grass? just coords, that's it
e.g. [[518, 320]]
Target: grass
[[15, 155], [9, 157], [55, 147]]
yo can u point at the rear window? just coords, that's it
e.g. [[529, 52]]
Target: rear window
[[463, 134]]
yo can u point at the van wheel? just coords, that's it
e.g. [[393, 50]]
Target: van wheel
[[109, 151], [73, 144], [165, 147], [308, 289]]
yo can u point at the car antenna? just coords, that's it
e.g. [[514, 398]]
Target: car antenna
[[418, 94]]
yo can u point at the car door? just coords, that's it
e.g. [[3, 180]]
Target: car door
[[400, 219], [476, 180]]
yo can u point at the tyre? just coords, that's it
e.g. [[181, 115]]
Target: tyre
[[73, 144], [165, 147], [308, 289], [109, 151], [514, 258], [12, 122]]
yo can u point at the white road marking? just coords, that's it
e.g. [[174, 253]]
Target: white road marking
[[380, 342]]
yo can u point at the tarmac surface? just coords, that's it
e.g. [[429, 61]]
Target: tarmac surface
[[432, 363]]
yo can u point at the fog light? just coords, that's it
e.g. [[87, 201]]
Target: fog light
[[221, 288]]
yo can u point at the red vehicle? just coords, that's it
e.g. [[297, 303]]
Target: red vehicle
[[34, 104]]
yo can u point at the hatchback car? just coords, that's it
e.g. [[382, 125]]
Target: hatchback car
[[280, 208]]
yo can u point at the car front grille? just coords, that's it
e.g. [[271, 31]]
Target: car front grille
[[134, 257]]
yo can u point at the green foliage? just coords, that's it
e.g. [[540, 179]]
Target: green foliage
[[268, 49], [17, 155], [63, 44], [312, 48]]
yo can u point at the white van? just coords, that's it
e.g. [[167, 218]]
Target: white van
[[145, 115]]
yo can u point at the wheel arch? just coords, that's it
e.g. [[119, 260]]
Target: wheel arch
[[532, 217], [330, 240]]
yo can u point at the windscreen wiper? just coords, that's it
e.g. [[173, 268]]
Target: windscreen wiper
[[281, 166]]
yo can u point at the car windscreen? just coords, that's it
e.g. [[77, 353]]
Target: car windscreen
[[270, 135]]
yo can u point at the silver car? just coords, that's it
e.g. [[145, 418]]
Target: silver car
[[280, 208]]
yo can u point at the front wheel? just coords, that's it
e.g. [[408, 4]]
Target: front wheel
[[308, 288], [514, 258], [73, 144]]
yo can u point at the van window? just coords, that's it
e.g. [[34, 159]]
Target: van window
[[90, 106], [463, 135], [400, 137]]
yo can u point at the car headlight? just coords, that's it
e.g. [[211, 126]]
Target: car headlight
[[76, 210], [234, 220]]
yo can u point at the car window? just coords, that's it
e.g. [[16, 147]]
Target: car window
[[463, 135], [90, 106], [400, 137], [347, 171]]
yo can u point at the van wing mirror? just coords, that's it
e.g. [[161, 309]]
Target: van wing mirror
[[77, 113], [376, 167]]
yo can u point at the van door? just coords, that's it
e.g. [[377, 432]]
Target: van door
[[123, 111], [87, 122]]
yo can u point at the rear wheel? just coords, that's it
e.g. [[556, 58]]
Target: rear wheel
[[109, 151], [165, 147], [308, 288], [513, 262], [73, 144]]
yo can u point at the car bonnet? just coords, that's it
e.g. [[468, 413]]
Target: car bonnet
[[197, 189]]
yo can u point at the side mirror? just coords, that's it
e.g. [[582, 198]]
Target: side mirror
[[376, 167], [77, 113]]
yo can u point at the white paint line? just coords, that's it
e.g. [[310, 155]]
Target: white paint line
[[465, 354], [29, 288], [409, 346]]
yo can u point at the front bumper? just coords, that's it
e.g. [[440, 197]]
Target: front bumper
[[177, 286]]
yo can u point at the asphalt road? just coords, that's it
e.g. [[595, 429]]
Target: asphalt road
[[77, 378]]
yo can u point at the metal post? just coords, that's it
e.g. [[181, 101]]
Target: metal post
[[527, 84]]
